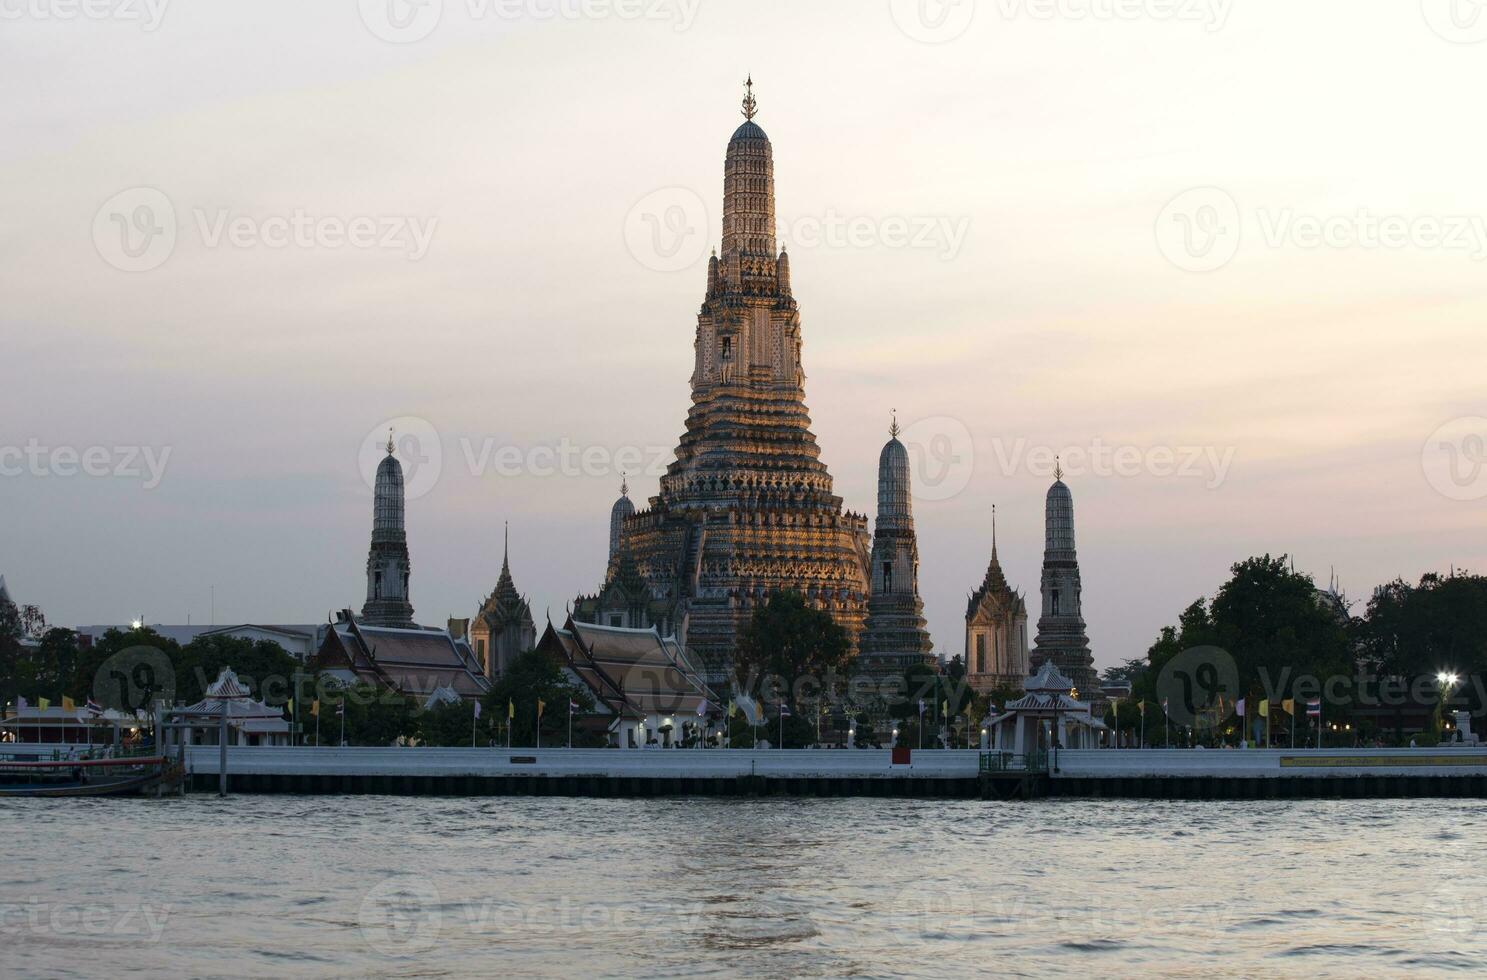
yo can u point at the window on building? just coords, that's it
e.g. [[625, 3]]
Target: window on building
[[980, 653], [887, 576]]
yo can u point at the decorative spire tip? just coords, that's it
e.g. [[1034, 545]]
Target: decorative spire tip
[[893, 429], [390, 446], [750, 104]]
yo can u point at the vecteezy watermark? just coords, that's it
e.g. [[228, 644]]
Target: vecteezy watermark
[[667, 230], [137, 230], [933, 21], [401, 916], [408, 21], [146, 463], [66, 920], [419, 450], [1207, 463], [133, 679], [148, 14], [1212, 15], [1199, 687], [1200, 230], [942, 457], [941, 234], [941, 910], [405, 915], [1455, 458], [1457, 21], [414, 443]]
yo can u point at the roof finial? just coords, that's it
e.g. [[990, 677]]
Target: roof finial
[[1058, 468], [750, 104], [390, 446], [624, 484], [993, 532], [893, 429], [506, 545]]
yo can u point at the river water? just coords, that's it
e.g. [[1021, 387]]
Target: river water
[[349, 886]]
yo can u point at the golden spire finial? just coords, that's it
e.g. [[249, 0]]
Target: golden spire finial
[[624, 485], [894, 430], [390, 446], [1058, 468], [750, 104]]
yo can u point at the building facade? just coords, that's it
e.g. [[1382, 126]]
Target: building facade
[[996, 652], [747, 508]]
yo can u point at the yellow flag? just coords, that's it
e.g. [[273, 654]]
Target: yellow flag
[[315, 708], [67, 704], [43, 703], [510, 709], [945, 708], [1288, 706], [289, 707], [540, 706], [1265, 708], [732, 709]]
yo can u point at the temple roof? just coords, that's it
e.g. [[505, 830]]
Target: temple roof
[[635, 673], [748, 131]]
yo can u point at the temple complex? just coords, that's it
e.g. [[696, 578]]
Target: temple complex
[[503, 628], [1061, 635], [388, 567], [895, 636], [996, 654], [747, 508]]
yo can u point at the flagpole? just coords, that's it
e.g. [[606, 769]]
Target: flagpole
[[343, 722], [570, 723]]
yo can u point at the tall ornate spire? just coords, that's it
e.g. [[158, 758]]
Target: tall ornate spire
[[1061, 630], [388, 565], [993, 532], [747, 508], [895, 635]]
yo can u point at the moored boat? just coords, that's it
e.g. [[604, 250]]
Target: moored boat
[[89, 777]]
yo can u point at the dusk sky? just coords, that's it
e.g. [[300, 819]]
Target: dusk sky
[[1241, 248]]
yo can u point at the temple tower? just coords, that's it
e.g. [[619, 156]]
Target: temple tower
[[503, 629], [1061, 630], [388, 567], [895, 635], [747, 508], [996, 653]]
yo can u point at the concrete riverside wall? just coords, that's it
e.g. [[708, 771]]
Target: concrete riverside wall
[[600, 763], [1269, 763]]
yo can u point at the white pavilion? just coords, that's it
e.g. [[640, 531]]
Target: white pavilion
[[1049, 713]]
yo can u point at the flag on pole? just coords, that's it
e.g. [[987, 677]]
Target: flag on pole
[[315, 708], [573, 706], [67, 704], [43, 703], [340, 709], [1264, 707], [477, 709], [702, 708], [1314, 709], [289, 706], [1289, 707], [785, 709], [94, 708], [1239, 708], [945, 708], [510, 710], [541, 706], [732, 709], [921, 706], [21, 704]]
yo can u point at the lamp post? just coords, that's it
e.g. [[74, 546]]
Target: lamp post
[[1447, 681]]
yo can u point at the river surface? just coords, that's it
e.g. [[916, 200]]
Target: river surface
[[355, 886]]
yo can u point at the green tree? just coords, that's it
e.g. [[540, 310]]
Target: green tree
[[451, 725], [266, 669], [534, 677], [803, 647], [375, 716]]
